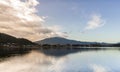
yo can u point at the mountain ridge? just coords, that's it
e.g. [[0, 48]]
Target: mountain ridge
[[60, 40]]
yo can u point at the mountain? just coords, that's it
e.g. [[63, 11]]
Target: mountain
[[56, 40], [116, 45], [60, 40], [5, 39]]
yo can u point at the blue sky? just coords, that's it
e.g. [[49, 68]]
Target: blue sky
[[74, 15]]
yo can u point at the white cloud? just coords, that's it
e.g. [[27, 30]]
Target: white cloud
[[19, 18], [95, 22]]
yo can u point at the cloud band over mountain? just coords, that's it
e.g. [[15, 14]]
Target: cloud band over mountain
[[19, 18]]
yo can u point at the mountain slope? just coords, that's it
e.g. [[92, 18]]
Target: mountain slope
[[116, 45], [59, 40], [5, 39]]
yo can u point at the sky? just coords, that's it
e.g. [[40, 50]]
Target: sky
[[83, 20]]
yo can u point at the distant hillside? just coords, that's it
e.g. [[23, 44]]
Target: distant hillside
[[116, 45], [59, 40], [5, 39]]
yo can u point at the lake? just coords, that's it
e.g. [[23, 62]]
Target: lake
[[63, 60]]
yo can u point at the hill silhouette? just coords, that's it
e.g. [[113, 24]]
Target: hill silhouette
[[10, 45], [8, 39]]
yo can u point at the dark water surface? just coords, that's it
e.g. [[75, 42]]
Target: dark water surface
[[63, 60]]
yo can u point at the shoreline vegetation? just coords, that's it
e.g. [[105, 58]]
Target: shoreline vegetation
[[10, 46]]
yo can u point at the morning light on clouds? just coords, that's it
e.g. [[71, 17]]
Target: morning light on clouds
[[19, 18]]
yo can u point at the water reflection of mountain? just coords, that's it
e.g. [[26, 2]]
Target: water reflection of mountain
[[63, 52], [53, 52]]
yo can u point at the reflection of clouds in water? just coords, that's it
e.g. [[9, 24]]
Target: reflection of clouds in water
[[39, 62], [58, 66], [33, 62], [99, 68]]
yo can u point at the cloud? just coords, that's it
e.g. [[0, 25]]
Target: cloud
[[95, 22], [19, 18]]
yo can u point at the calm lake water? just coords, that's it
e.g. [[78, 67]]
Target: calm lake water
[[64, 61]]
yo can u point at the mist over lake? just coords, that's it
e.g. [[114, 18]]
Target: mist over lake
[[63, 60]]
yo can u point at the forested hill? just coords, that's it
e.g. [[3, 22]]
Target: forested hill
[[8, 39]]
